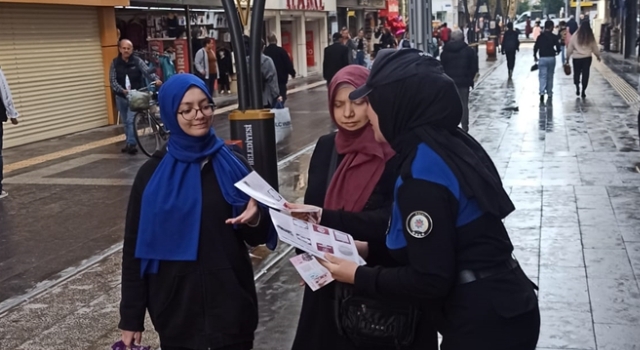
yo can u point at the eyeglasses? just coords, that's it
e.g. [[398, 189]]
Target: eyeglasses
[[191, 113]]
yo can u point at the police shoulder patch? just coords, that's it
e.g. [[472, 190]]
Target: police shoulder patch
[[419, 224]]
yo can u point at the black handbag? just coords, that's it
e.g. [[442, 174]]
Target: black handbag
[[368, 322], [373, 323]]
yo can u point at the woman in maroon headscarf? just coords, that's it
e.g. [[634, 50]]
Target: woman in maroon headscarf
[[351, 177]]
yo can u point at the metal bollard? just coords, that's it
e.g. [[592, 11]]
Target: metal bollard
[[256, 130]]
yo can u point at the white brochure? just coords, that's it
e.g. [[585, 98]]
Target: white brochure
[[315, 239], [257, 188], [314, 275]]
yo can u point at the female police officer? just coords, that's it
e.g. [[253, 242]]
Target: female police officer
[[446, 224]]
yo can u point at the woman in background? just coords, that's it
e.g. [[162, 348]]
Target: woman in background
[[582, 47]]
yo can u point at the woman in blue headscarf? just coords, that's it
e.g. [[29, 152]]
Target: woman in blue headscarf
[[184, 256]]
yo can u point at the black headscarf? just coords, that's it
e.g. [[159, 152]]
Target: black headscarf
[[425, 107]]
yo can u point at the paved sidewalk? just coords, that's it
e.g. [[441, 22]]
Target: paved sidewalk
[[569, 169]]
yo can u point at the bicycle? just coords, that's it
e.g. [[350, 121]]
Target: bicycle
[[150, 133]]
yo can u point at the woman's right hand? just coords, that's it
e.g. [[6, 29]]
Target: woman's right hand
[[305, 212], [131, 338]]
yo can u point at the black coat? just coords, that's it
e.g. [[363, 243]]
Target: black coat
[[204, 304], [336, 57], [282, 61], [317, 328], [460, 62], [510, 41]]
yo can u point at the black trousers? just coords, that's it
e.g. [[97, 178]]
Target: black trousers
[[511, 59], [283, 91], [581, 67], [223, 82]]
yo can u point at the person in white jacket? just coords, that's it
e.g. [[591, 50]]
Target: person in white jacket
[[7, 111], [582, 46]]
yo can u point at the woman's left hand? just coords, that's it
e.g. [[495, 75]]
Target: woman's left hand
[[249, 216], [342, 270]]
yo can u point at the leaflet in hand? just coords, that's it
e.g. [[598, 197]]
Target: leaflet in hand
[[313, 273], [315, 239], [257, 188]]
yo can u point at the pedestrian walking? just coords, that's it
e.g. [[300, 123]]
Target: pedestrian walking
[[351, 180], [7, 112], [572, 25], [282, 62], [445, 34], [446, 228], [350, 43], [582, 47], [527, 28], [127, 73], [548, 46], [362, 48], [336, 57], [270, 90], [536, 31], [206, 64], [225, 69], [510, 45], [563, 35], [460, 62], [184, 256]]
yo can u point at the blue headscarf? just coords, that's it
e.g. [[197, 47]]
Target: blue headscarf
[[171, 210]]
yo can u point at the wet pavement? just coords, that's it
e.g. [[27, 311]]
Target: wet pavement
[[569, 167]]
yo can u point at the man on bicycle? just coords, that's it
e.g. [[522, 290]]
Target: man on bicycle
[[127, 73]]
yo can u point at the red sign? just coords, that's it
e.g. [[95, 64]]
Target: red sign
[[392, 9], [182, 55], [311, 61], [286, 43], [157, 47]]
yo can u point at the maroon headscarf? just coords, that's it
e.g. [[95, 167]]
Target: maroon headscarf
[[364, 157]]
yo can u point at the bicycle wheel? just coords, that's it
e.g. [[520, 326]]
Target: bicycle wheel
[[146, 133]]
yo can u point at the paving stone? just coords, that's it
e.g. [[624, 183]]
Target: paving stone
[[615, 301], [608, 263]]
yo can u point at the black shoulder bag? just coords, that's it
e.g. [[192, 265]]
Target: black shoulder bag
[[368, 322]]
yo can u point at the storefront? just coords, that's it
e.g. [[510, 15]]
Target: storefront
[[302, 30], [359, 14], [168, 36], [52, 56]]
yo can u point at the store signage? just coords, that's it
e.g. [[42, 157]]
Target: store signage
[[157, 48], [312, 5], [392, 9], [311, 61], [582, 4], [182, 55], [372, 3]]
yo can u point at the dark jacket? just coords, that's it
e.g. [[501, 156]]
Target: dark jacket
[[460, 63], [135, 68], [510, 41], [548, 44], [282, 61], [202, 304], [225, 62], [317, 328], [572, 25], [336, 57]]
